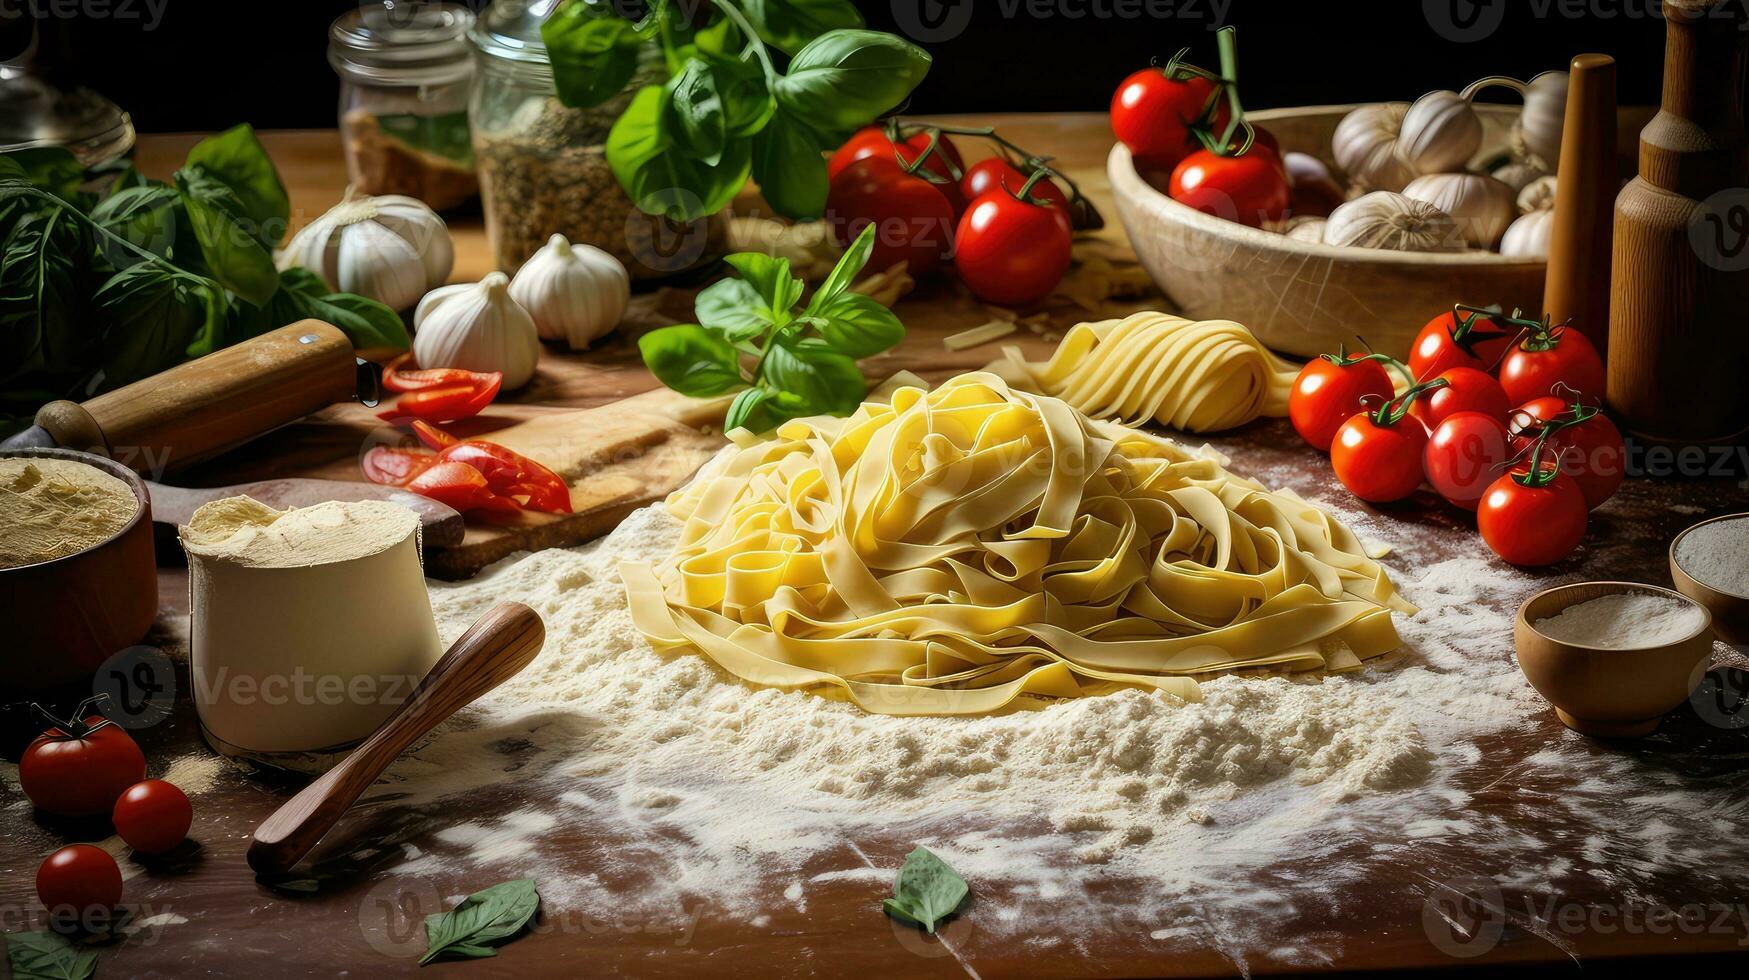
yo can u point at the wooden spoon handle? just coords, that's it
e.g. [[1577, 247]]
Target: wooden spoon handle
[[493, 650]]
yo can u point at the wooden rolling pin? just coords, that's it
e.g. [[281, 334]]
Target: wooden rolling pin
[[200, 409], [492, 651]]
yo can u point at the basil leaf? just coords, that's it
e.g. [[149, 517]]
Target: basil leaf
[[927, 890], [771, 279], [368, 324], [692, 360], [790, 168], [843, 79], [696, 110], [860, 326], [45, 955], [743, 407], [156, 318], [236, 159], [747, 99], [152, 218], [238, 258], [844, 274], [734, 308], [594, 53], [482, 919], [41, 264], [790, 24], [11, 169], [823, 381], [660, 181], [51, 168]]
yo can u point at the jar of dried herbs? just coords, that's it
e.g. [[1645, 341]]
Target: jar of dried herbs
[[404, 74], [543, 166]]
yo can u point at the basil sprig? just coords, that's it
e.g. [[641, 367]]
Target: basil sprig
[[45, 955], [927, 890], [483, 920], [790, 363], [727, 111]]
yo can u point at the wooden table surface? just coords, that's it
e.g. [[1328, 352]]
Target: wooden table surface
[[234, 925]]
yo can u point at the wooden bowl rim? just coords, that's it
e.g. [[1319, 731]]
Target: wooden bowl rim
[[1127, 182], [107, 465], [1614, 588], [1677, 569]]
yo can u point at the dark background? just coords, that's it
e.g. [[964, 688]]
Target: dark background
[[209, 64]]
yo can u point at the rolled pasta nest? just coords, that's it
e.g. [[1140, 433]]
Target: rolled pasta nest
[[1191, 375], [950, 551]]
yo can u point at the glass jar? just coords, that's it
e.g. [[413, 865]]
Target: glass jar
[[543, 166], [404, 73]]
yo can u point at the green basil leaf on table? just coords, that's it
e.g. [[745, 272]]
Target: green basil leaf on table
[[692, 360], [150, 217], [46, 955], [824, 381], [743, 407], [237, 257], [482, 920], [42, 264], [368, 324], [790, 24], [696, 112], [927, 890], [154, 319], [845, 78], [236, 159], [844, 274], [734, 308], [771, 278], [594, 53], [789, 167], [859, 325], [51, 168], [660, 181]]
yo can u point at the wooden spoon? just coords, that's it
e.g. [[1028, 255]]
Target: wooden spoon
[[492, 651]]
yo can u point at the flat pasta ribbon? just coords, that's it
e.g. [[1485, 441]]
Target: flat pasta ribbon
[[1191, 375], [950, 551]]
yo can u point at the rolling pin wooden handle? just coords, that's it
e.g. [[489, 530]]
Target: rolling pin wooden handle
[[202, 408], [493, 650]]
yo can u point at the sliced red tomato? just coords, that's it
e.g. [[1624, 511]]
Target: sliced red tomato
[[399, 379], [511, 474], [392, 467], [463, 488], [433, 436], [446, 402]]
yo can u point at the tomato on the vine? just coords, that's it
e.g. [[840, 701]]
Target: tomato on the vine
[[1250, 188], [913, 219], [1548, 357], [78, 883], [1379, 462], [1533, 516], [153, 816], [79, 768], [1010, 250], [1465, 455], [1332, 389], [1464, 337], [1588, 444], [944, 165], [994, 172], [1465, 390], [1155, 110]]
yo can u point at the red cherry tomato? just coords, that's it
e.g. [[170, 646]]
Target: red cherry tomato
[[1251, 189], [944, 165], [1533, 523], [986, 175], [1562, 356], [1465, 455], [78, 883], [1153, 115], [1591, 452], [78, 770], [153, 816], [1465, 390], [1379, 463], [913, 219], [1011, 251], [1463, 337], [1331, 390]]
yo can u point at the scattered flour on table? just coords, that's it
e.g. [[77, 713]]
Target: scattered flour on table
[[1624, 621]]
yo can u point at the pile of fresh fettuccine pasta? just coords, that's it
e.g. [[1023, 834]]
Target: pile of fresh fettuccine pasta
[[950, 551]]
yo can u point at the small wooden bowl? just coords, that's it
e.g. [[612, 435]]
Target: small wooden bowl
[[1307, 298], [1730, 612], [66, 616], [1602, 692]]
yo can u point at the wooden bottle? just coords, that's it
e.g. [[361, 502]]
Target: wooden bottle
[[1679, 321]]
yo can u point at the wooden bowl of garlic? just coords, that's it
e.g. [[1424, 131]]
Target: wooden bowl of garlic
[[1305, 297]]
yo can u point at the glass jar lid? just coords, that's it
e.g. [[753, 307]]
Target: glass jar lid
[[402, 42], [510, 29]]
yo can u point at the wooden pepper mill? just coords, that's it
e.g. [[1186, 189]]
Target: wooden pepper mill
[[1678, 345]]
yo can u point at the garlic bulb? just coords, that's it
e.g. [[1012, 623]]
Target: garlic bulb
[[1528, 238], [1306, 228], [1482, 206], [1518, 174], [574, 293], [391, 249], [1545, 116], [476, 326], [1538, 196], [1365, 146], [1441, 132], [1387, 220]]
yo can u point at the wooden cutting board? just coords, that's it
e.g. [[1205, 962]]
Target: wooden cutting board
[[616, 458]]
